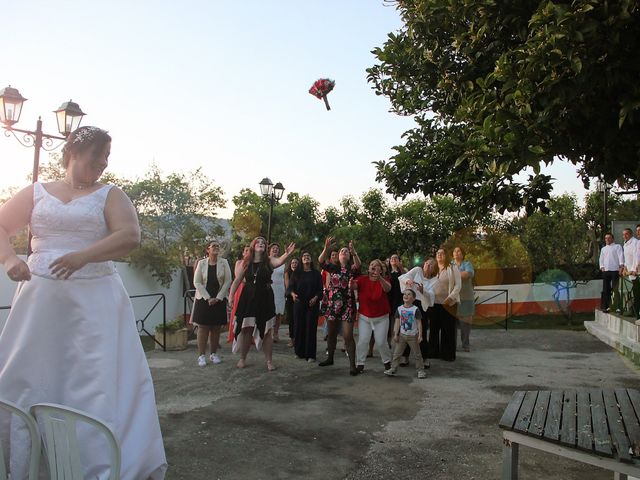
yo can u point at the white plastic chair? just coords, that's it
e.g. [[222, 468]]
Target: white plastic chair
[[29, 421], [59, 434]]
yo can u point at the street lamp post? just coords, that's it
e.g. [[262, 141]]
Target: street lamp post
[[272, 193], [68, 115], [603, 187]]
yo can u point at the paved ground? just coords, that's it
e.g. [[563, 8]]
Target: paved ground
[[303, 421]]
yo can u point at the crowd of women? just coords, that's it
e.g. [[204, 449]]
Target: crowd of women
[[392, 307]]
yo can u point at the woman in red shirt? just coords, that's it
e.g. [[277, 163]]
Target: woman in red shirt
[[373, 314]]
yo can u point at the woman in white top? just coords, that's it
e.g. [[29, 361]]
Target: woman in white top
[[442, 316], [277, 285], [212, 279], [420, 280]]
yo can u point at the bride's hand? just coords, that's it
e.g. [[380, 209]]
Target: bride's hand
[[17, 270], [65, 265]]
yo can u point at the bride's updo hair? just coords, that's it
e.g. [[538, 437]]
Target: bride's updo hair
[[81, 140]]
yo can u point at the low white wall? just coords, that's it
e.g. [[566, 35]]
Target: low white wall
[[137, 282], [541, 292]]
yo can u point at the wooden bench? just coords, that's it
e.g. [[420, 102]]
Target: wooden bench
[[595, 426]]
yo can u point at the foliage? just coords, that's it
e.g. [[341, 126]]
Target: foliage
[[175, 218], [172, 326], [498, 88], [559, 238]]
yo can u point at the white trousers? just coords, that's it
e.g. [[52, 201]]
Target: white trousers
[[380, 327]]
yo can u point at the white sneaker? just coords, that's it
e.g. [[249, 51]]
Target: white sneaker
[[215, 359], [202, 361], [390, 372]]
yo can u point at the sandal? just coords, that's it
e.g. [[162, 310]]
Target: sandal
[[241, 363], [270, 366], [290, 344]]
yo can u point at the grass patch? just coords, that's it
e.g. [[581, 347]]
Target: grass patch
[[536, 322]]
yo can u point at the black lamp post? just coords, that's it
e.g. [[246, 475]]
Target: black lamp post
[[272, 193], [603, 187], [68, 115]]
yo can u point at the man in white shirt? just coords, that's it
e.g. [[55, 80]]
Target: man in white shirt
[[611, 265], [630, 249]]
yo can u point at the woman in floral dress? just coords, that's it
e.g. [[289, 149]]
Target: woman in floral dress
[[340, 305]]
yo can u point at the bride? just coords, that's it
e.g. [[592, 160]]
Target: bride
[[71, 337]]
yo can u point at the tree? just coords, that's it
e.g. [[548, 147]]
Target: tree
[[176, 218], [559, 239], [497, 88]]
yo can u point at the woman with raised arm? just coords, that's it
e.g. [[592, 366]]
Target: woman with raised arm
[[256, 313], [421, 281], [305, 288], [71, 336], [340, 305], [277, 285]]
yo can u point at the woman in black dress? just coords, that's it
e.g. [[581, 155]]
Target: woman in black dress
[[256, 312], [212, 278], [294, 264], [305, 288]]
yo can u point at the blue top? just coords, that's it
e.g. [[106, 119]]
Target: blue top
[[466, 291]]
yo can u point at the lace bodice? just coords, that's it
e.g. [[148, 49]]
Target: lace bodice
[[59, 228]]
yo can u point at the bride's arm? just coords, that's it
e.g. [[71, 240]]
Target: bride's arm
[[124, 236], [15, 213]]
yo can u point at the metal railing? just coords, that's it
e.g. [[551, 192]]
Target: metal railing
[[500, 292], [140, 323]]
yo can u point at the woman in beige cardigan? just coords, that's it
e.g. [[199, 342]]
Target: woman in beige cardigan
[[212, 279], [442, 316]]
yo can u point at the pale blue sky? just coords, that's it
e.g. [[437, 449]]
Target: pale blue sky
[[215, 84]]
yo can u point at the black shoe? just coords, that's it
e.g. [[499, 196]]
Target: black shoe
[[326, 363], [360, 368], [353, 373], [387, 365]]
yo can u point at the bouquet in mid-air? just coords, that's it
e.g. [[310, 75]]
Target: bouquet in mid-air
[[321, 88]]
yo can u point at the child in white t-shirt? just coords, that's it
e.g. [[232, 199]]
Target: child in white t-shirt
[[407, 331]]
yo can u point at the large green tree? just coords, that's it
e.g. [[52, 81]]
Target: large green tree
[[498, 88]]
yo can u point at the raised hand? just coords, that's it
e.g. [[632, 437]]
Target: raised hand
[[329, 241], [290, 248]]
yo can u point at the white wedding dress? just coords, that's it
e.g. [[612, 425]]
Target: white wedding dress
[[75, 342]]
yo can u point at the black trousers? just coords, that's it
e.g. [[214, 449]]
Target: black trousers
[[288, 314], [306, 329], [609, 283], [442, 332]]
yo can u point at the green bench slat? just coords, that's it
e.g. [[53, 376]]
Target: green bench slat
[[536, 427], [568, 425], [526, 411], [585, 437], [616, 426], [601, 438], [511, 412], [630, 417]]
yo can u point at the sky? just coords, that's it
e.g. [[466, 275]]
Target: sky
[[217, 85]]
